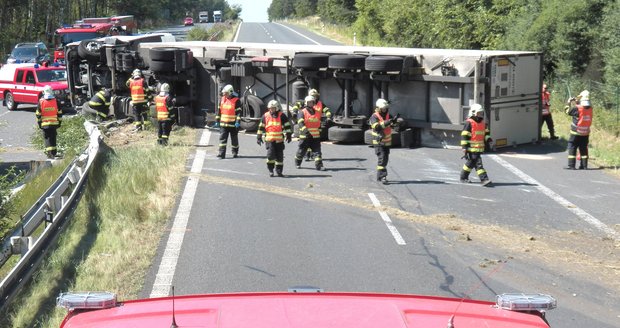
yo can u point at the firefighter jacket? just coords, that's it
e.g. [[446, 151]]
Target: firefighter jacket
[[274, 126], [229, 112], [475, 136], [137, 87], [309, 121], [48, 114], [582, 120], [163, 104], [100, 102], [546, 96], [299, 105], [381, 129]]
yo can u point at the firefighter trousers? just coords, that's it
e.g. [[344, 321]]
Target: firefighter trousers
[[49, 137], [474, 160], [383, 156], [275, 156], [578, 142], [549, 120], [163, 131], [140, 113], [315, 145], [234, 140]]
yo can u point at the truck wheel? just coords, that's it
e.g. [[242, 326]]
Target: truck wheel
[[71, 55], [10, 101], [311, 60], [128, 62], [249, 124], [253, 107], [162, 66], [347, 61], [384, 64], [346, 135], [89, 50], [166, 53]]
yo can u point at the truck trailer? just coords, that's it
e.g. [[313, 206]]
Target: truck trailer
[[431, 88]]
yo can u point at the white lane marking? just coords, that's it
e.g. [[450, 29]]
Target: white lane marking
[[399, 239], [167, 267], [585, 216], [298, 33], [230, 171], [480, 199], [237, 34]]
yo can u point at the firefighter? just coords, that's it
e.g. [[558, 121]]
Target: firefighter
[[579, 129], [319, 106], [309, 121], [99, 104], [381, 125], [276, 128], [49, 120], [546, 112], [165, 117], [227, 120], [139, 98], [475, 137]]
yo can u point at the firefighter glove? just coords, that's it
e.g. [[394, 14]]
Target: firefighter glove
[[237, 125], [259, 140], [288, 138], [217, 124]]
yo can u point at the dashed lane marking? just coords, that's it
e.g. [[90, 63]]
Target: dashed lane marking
[[399, 239]]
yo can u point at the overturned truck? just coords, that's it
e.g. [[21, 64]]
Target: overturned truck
[[431, 88]]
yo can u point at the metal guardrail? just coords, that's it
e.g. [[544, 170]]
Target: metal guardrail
[[52, 209]]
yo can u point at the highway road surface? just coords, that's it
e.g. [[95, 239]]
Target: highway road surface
[[538, 229]]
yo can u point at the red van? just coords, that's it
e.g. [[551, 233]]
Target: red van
[[24, 83]]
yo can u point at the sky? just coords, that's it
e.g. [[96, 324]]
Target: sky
[[252, 10]]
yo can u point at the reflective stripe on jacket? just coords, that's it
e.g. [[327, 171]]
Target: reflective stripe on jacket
[[312, 122], [383, 135], [138, 94], [161, 106], [475, 139], [581, 124], [228, 114], [49, 112], [274, 128]]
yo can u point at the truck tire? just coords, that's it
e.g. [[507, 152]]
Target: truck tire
[[396, 139], [384, 64], [9, 101], [249, 124], [128, 62], [346, 135], [311, 61], [161, 66], [166, 53], [253, 107], [72, 55], [89, 50], [347, 61]]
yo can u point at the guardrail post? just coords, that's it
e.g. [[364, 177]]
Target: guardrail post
[[21, 245]]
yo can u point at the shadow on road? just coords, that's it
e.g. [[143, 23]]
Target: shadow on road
[[395, 182]]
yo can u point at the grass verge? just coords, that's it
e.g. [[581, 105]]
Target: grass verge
[[112, 237], [340, 33]]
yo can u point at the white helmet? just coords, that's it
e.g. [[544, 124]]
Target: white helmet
[[309, 98], [48, 92], [382, 103], [227, 89], [273, 104], [136, 73], [314, 93], [475, 109], [584, 98], [164, 89]]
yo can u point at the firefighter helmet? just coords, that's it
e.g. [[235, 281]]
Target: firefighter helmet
[[165, 88], [273, 104], [475, 109], [314, 93], [309, 98], [228, 89], [136, 73], [48, 92], [382, 103], [584, 98]]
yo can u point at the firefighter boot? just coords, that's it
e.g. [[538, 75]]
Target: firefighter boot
[[382, 176], [298, 163], [222, 152], [279, 170], [465, 176], [235, 153], [270, 168], [308, 155], [571, 164], [583, 165]]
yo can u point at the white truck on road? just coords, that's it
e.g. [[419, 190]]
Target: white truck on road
[[203, 17], [217, 16]]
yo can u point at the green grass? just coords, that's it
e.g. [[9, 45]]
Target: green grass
[[111, 240], [341, 33]]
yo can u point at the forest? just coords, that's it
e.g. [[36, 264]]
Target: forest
[[579, 39]]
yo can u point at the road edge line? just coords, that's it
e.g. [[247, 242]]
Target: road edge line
[[386, 219]]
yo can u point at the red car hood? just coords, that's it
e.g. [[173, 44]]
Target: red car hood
[[57, 85], [304, 310]]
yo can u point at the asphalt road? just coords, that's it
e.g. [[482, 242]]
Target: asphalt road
[[539, 229]]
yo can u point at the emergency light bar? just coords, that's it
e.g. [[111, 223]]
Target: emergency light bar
[[86, 300], [526, 302]]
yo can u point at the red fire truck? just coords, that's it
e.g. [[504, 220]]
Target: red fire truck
[[91, 28]]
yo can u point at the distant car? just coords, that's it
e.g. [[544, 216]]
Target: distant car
[[188, 21], [29, 53]]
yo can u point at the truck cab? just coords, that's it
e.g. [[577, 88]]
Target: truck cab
[[203, 17], [24, 83], [217, 16]]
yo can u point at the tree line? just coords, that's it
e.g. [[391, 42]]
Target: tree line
[[36, 20], [579, 39]]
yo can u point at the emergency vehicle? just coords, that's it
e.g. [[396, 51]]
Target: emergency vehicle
[[24, 83], [306, 310], [91, 28]]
